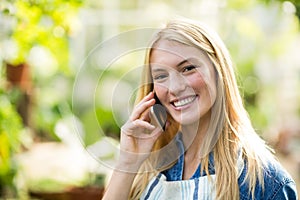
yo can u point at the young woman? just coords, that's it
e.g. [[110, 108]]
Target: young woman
[[209, 149]]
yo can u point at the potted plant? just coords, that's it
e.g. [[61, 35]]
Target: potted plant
[[36, 45]]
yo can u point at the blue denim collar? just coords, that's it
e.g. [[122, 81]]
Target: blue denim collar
[[175, 173], [277, 182]]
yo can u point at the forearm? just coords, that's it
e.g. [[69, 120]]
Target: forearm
[[119, 186]]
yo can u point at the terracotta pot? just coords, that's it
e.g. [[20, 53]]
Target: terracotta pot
[[90, 193], [19, 75]]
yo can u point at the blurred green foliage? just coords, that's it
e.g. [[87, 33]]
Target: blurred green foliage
[[44, 23], [44, 26], [51, 102], [258, 31], [48, 25], [10, 130], [296, 3]]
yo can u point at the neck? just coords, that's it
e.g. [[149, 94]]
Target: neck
[[193, 135]]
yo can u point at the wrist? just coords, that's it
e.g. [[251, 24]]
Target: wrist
[[126, 166], [130, 162]]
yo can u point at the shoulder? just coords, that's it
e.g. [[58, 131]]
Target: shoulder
[[278, 184]]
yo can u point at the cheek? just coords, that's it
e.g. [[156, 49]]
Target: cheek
[[197, 82], [210, 91], [160, 91], [204, 85], [204, 78]]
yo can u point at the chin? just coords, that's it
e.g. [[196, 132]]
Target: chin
[[187, 120]]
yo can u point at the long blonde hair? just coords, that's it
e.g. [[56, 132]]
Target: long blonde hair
[[231, 122]]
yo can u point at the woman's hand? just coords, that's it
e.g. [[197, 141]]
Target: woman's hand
[[137, 136]]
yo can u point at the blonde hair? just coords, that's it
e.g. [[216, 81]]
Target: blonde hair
[[231, 123]]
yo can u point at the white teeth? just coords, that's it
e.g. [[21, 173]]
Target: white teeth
[[184, 102]]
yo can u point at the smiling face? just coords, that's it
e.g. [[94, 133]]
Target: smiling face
[[184, 80]]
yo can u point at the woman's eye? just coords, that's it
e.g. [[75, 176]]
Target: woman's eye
[[159, 77], [189, 68]]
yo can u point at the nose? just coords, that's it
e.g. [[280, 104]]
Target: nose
[[177, 83]]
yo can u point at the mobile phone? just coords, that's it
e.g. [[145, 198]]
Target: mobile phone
[[158, 114]]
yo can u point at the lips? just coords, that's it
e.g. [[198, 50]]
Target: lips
[[184, 101]]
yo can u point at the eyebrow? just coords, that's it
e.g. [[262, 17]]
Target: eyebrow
[[178, 65], [182, 62]]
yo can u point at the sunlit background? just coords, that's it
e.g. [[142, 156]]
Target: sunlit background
[[67, 86]]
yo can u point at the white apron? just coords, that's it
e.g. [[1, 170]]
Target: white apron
[[199, 188]]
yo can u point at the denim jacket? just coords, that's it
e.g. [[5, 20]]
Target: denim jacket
[[278, 184]]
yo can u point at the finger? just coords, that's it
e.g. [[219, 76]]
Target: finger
[[137, 127], [145, 116], [146, 98], [157, 131], [155, 134], [147, 132], [143, 124], [141, 108]]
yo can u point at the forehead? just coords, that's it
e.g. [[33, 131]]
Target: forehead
[[170, 52]]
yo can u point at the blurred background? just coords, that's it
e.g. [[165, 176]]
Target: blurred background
[[69, 71]]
